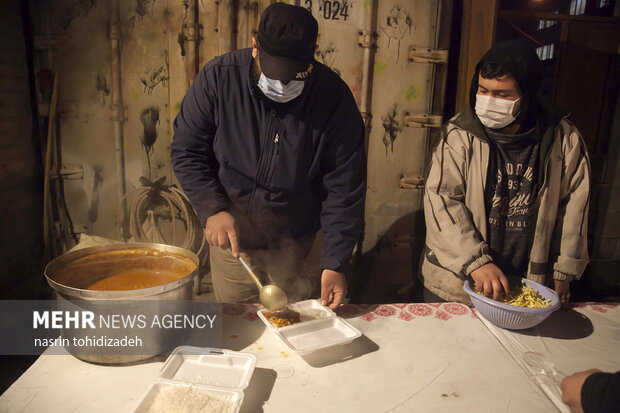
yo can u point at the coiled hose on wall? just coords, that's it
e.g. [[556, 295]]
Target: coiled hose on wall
[[153, 202]]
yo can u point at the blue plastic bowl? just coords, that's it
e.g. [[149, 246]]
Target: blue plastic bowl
[[510, 316]]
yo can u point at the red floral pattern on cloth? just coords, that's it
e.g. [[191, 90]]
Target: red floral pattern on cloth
[[455, 309], [610, 306], [385, 311], [402, 311], [599, 308], [251, 316], [595, 306], [405, 316], [368, 317], [442, 316], [579, 305], [347, 310], [421, 310], [233, 309]]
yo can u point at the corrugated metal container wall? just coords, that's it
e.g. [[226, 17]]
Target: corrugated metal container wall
[[164, 43], [399, 86], [145, 72], [81, 56]]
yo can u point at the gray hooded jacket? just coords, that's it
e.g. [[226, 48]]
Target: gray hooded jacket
[[456, 214]]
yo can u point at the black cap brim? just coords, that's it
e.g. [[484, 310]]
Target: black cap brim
[[282, 68]]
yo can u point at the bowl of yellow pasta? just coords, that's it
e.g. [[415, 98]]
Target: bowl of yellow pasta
[[527, 305]]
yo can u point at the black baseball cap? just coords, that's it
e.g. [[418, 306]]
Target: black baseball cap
[[286, 42]]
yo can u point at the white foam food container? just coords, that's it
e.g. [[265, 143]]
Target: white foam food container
[[309, 336], [301, 307], [220, 373]]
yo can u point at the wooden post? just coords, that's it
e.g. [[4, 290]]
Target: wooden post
[[478, 30]]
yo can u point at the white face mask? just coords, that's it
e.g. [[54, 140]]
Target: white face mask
[[278, 91], [495, 113]]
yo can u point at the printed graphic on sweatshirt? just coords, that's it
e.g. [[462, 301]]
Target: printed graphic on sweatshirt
[[513, 197], [512, 203]]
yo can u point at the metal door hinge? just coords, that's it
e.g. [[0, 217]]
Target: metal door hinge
[[425, 55], [192, 32], [366, 117], [411, 182], [69, 172], [422, 120], [114, 32], [44, 42], [367, 39], [119, 113]]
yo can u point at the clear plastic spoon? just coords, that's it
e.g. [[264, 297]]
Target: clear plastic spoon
[[543, 366]]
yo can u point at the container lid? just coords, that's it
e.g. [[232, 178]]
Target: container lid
[[312, 310], [317, 335], [206, 366]]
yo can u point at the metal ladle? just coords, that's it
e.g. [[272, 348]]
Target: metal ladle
[[271, 296]]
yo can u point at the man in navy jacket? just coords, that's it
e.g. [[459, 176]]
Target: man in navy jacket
[[269, 147]]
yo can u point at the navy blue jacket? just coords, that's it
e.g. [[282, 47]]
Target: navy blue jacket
[[282, 170], [600, 393]]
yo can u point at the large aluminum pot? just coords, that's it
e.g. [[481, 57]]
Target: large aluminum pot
[[71, 274]]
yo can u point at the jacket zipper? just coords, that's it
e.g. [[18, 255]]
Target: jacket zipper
[[264, 162], [272, 158]]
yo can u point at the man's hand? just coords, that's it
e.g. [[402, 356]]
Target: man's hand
[[333, 288], [491, 280], [562, 287], [571, 389], [221, 231]]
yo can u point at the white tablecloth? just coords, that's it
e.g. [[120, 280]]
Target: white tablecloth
[[410, 358], [586, 337]]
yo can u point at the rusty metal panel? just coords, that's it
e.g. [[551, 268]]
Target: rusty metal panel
[[208, 47], [156, 74], [145, 58], [395, 150], [180, 75], [82, 58], [339, 24], [226, 14], [248, 18], [226, 25]]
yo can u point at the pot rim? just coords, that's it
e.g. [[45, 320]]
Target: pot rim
[[53, 266]]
